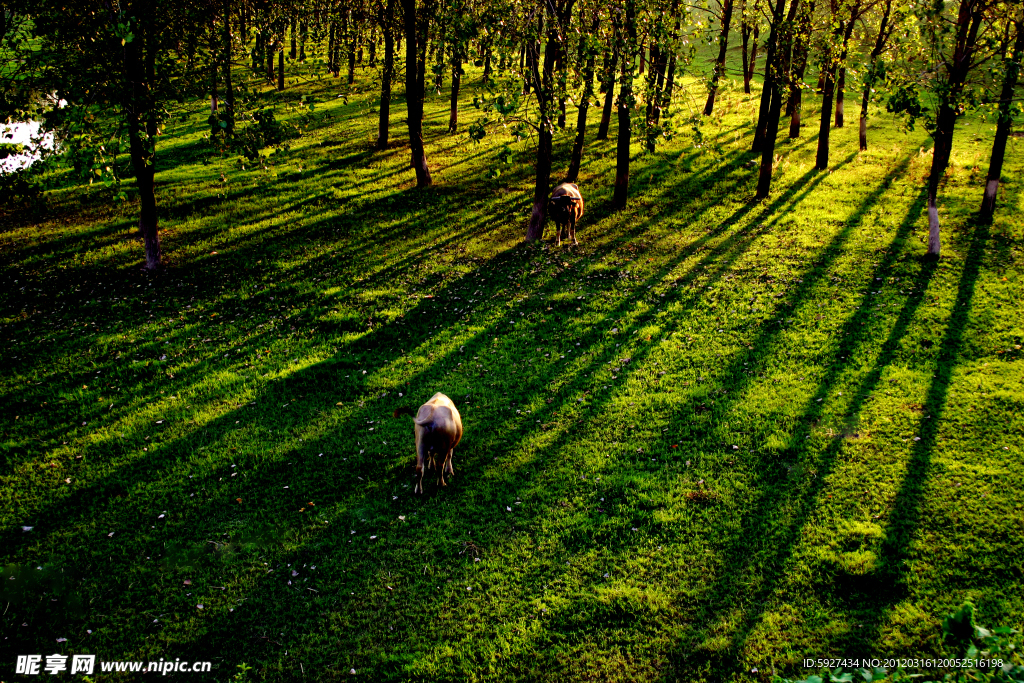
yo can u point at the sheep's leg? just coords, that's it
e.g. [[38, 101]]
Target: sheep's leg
[[558, 228], [572, 229], [448, 463], [421, 466]]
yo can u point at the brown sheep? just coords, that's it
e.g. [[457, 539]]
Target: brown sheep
[[438, 432], [566, 207]]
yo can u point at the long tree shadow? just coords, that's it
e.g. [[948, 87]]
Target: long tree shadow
[[760, 551]]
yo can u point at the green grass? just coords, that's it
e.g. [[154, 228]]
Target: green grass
[[718, 436]]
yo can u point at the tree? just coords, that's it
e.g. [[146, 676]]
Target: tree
[[608, 86], [135, 60], [543, 86], [834, 59], [749, 28], [798, 62], [874, 68], [1011, 70], [415, 72], [386, 19], [771, 93], [723, 45], [949, 88], [588, 44], [626, 102]]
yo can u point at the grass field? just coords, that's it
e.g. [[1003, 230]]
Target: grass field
[[715, 439]]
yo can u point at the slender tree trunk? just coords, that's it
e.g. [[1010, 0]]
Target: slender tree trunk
[[258, 54], [745, 36], [968, 23], [330, 48], [525, 67], [352, 35], [269, 64], [884, 31], [294, 40], [487, 64], [750, 68], [280, 69], [229, 93], [609, 88], [772, 76], [799, 65], [453, 116], [214, 67], [670, 80], [840, 97], [138, 58], [995, 167], [625, 105], [723, 46], [303, 34], [581, 120], [772, 85], [543, 88], [387, 75], [659, 87], [414, 95], [821, 160]]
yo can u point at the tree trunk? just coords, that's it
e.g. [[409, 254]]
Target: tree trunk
[[670, 80], [771, 80], [214, 67], [821, 160], [745, 36], [840, 96], [884, 31], [659, 86], [257, 54], [453, 116], [139, 58], [625, 105], [353, 32], [535, 228], [749, 75], [995, 167], [723, 46], [609, 89], [294, 46], [330, 49], [799, 64], [229, 93], [487, 64], [280, 69], [774, 105], [581, 120], [414, 95], [387, 75], [968, 22], [270, 75]]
